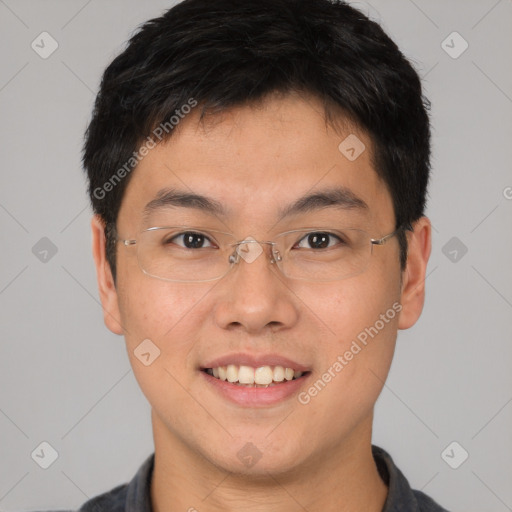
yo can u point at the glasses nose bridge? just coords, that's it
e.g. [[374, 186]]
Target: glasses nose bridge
[[250, 249]]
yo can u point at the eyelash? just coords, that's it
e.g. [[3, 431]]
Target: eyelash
[[181, 235], [212, 244], [325, 233]]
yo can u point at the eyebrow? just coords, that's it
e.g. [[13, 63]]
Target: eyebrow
[[340, 197], [166, 198]]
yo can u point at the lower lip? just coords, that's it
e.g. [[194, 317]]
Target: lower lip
[[254, 396]]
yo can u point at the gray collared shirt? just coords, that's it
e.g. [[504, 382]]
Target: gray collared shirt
[[135, 496]]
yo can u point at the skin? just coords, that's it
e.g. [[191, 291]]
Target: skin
[[253, 160]]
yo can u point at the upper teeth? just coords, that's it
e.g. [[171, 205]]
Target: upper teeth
[[249, 375]]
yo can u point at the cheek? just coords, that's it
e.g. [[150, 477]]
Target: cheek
[[162, 319], [355, 356], [162, 311], [350, 306], [362, 316]]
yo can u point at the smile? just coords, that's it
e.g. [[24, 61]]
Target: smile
[[248, 376]]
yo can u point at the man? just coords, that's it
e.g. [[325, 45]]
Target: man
[[258, 173]]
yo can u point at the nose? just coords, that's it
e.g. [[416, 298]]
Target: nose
[[254, 296]]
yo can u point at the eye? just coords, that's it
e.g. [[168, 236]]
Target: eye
[[191, 240], [319, 240]]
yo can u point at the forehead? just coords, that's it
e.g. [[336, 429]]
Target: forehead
[[257, 161]]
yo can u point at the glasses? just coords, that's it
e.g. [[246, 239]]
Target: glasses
[[189, 254]]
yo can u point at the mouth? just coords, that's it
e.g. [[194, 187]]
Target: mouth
[[255, 380], [255, 377]]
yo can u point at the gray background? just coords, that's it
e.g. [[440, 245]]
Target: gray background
[[65, 379]]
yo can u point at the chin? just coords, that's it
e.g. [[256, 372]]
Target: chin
[[258, 458]]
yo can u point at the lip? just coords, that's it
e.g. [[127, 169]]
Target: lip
[[254, 396], [256, 361]]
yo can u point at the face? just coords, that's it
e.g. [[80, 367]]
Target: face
[[261, 172]]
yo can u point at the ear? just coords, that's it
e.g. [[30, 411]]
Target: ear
[[413, 277], [106, 286]]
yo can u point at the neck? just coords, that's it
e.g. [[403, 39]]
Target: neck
[[346, 478]]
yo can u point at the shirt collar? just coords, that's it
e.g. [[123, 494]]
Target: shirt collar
[[138, 496], [400, 495]]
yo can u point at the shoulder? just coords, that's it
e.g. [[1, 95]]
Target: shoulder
[[401, 497], [112, 501], [427, 504], [134, 495]]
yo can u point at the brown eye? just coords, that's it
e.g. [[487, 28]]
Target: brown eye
[[318, 240], [191, 240]]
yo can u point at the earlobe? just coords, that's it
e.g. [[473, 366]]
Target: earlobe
[[106, 285], [413, 277]]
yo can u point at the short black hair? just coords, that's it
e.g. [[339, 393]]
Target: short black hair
[[220, 54]]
